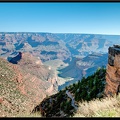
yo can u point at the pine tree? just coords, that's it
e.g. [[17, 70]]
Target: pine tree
[[91, 83]]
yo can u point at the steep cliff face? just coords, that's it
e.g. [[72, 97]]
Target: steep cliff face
[[113, 71], [24, 84]]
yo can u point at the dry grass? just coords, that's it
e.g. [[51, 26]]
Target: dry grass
[[106, 107], [22, 114], [37, 114]]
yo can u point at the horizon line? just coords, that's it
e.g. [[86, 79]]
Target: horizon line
[[62, 33]]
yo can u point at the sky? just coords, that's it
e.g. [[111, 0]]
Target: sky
[[61, 17]]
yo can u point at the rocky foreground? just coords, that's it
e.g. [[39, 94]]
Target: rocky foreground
[[24, 85]]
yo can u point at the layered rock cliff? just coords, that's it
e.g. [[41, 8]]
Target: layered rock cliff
[[113, 71], [24, 84]]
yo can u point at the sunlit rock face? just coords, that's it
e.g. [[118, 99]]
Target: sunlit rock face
[[113, 71], [24, 83]]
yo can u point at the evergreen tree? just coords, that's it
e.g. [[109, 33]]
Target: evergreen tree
[[90, 83]]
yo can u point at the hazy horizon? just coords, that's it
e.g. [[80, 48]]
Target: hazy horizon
[[58, 33]]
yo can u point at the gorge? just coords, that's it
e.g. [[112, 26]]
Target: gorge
[[37, 66]]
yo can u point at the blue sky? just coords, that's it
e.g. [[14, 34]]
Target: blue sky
[[61, 17]]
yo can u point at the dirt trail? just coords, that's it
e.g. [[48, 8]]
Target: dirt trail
[[73, 101]]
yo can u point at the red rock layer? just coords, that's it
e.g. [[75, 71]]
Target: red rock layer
[[22, 87], [113, 77]]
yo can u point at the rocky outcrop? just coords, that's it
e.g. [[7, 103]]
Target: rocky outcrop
[[25, 84], [34, 66], [25, 58], [113, 71]]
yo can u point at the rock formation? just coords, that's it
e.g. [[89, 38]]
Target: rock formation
[[24, 84], [113, 71]]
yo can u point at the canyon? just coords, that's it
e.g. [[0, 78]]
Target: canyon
[[84, 52], [34, 66]]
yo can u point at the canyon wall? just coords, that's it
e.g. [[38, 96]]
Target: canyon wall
[[113, 71]]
